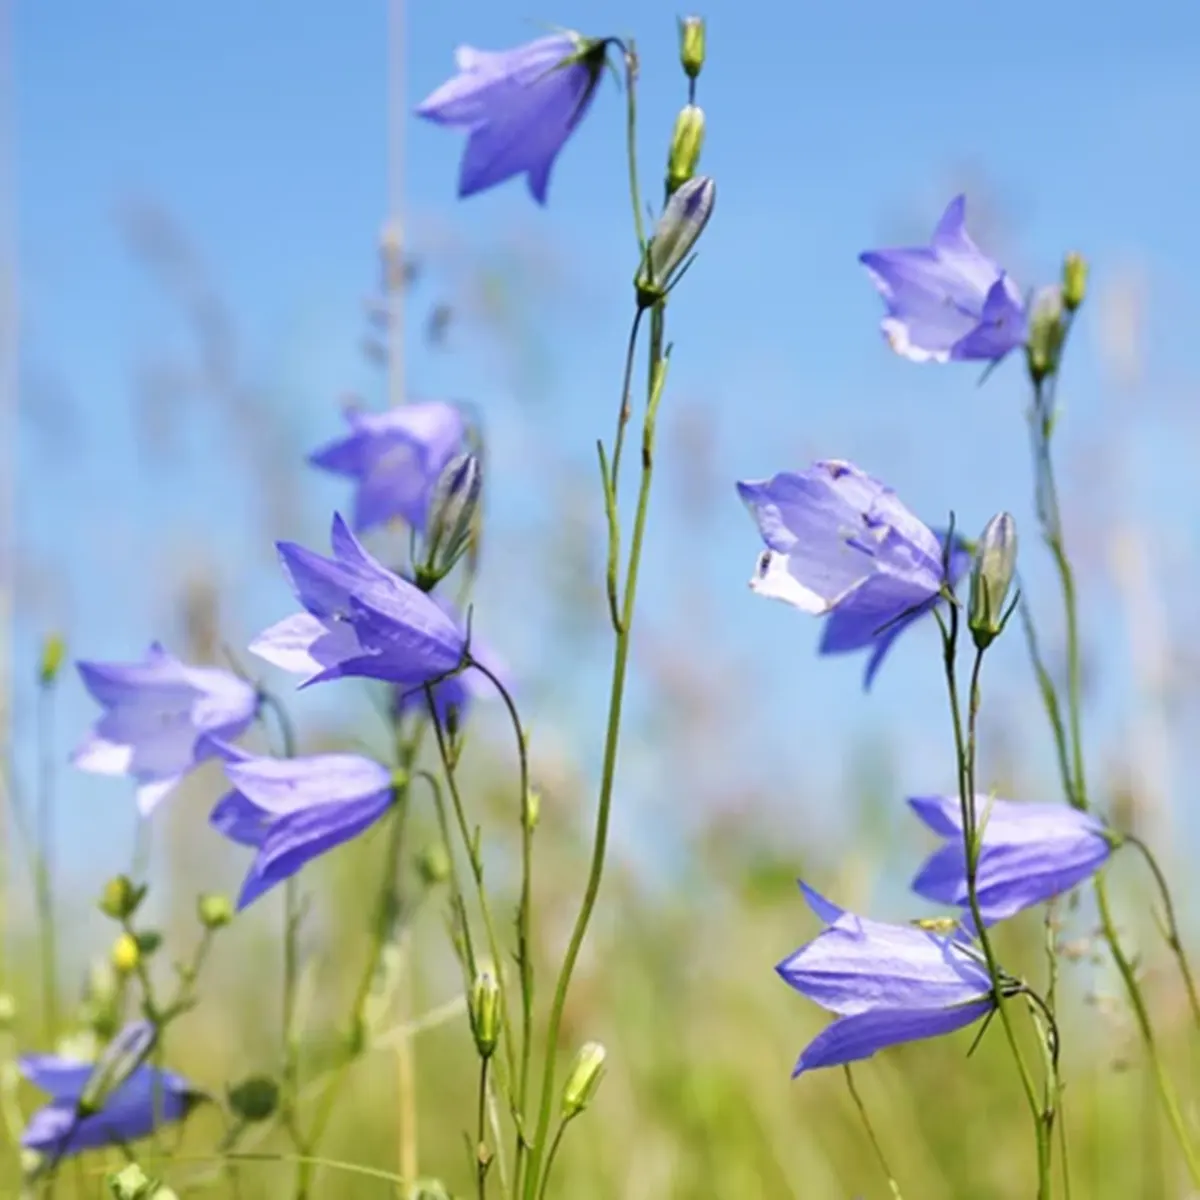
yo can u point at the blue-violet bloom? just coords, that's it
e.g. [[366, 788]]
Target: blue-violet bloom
[[292, 810], [840, 543], [518, 107], [128, 1112], [360, 619], [395, 458], [947, 300], [1030, 852], [887, 984], [158, 717]]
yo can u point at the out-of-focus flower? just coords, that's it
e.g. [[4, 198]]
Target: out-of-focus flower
[[292, 810], [947, 300], [394, 458], [128, 1111], [159, 715], [887, 984], [518, 107], [840, 543], [359, 620], [1029, 853]]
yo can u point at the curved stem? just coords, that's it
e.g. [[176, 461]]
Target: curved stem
[[550, 1157], [629, 49], [871, 1136]]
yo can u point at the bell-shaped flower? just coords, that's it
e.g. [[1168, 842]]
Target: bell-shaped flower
[[360, 619], [1029, 853], [839, 543], [292, 810], [947, 300], [886, 984], [158, 717], [145, 1099], [518, 107], [394, 458]]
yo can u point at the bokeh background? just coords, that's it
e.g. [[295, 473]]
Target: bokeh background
[[219, 223]]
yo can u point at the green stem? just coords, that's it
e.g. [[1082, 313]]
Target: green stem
[[635, 191], [482, 1157], [657, 378], [550, 1157], [457, 901], [871, 1136]]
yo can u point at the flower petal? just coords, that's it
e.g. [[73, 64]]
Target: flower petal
[[286, 785]]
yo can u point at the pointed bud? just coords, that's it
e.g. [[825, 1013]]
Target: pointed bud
[[991, 578], [54, 650], [125, 954], [434, 864], [254, 1099], [586, 1073], [214, 910], [122, 1056], [1074, 281], [691, 45], [678, 229], [686, 143], [485, 1012], [120, 898], [1045, 332], [452, 506]]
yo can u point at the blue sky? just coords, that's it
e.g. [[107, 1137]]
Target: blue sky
[[264, 130]]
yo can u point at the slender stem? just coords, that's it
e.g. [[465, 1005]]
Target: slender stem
[[657, 378], [406, 1085], [553, 1154], [1051, 947], [871, 1136], [1173, 937], [458, 903], [635, 191], [481, 1150], [44, 860]]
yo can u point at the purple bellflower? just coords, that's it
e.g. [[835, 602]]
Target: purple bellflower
[[1029, 854], [159, 715], [292, 810], [360, 619], [130, 1111], [839, 543], [887, 984], [948, 300], [395, 458], [518, 107]]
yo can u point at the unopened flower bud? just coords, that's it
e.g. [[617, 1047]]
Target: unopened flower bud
[[686, 143], [1045, 332], [120, 898], [214, 910], [254, 1099], [122, 1056], [485, 1012], [434, 864], [991, 578], [691, 45], [129, 1183], [586, 1073], [531, 809], [678, 229], [54, 650], [452, 507], [125, 954], [1074, 281]]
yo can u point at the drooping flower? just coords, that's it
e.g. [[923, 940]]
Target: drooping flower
[[948, 300], [518, 107], [359, 620], [292, 810], [840, 543], [887, 984], [131, 1110], [395, 458], [158, 717], [1030, 853]]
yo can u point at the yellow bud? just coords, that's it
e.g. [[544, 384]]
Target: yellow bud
[[686, 143], [485, 1012], [54, 650], [691, 45], [120, 898], [584, 1079], [1074, 284], [125, 954], [214, 910]]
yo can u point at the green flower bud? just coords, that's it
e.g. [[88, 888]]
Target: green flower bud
[[991, 579], [54, 650], [214, 910], [586, 1073], [485, 1012], [254, 1099], [678, 229], [125, 954], [531, 809], [453, 504], [1074, 281], [129, 1183], [434, 864], [686, 143], [1046, 332], [691, 45], [120, 898]]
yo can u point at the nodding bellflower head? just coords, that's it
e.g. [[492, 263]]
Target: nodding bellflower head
[[147, 1098], [394, 458], [840, 544], [359, 620], [948, 300], [158, 717], [518, 107], [886, 984], [1029, 853], [292, 810]]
